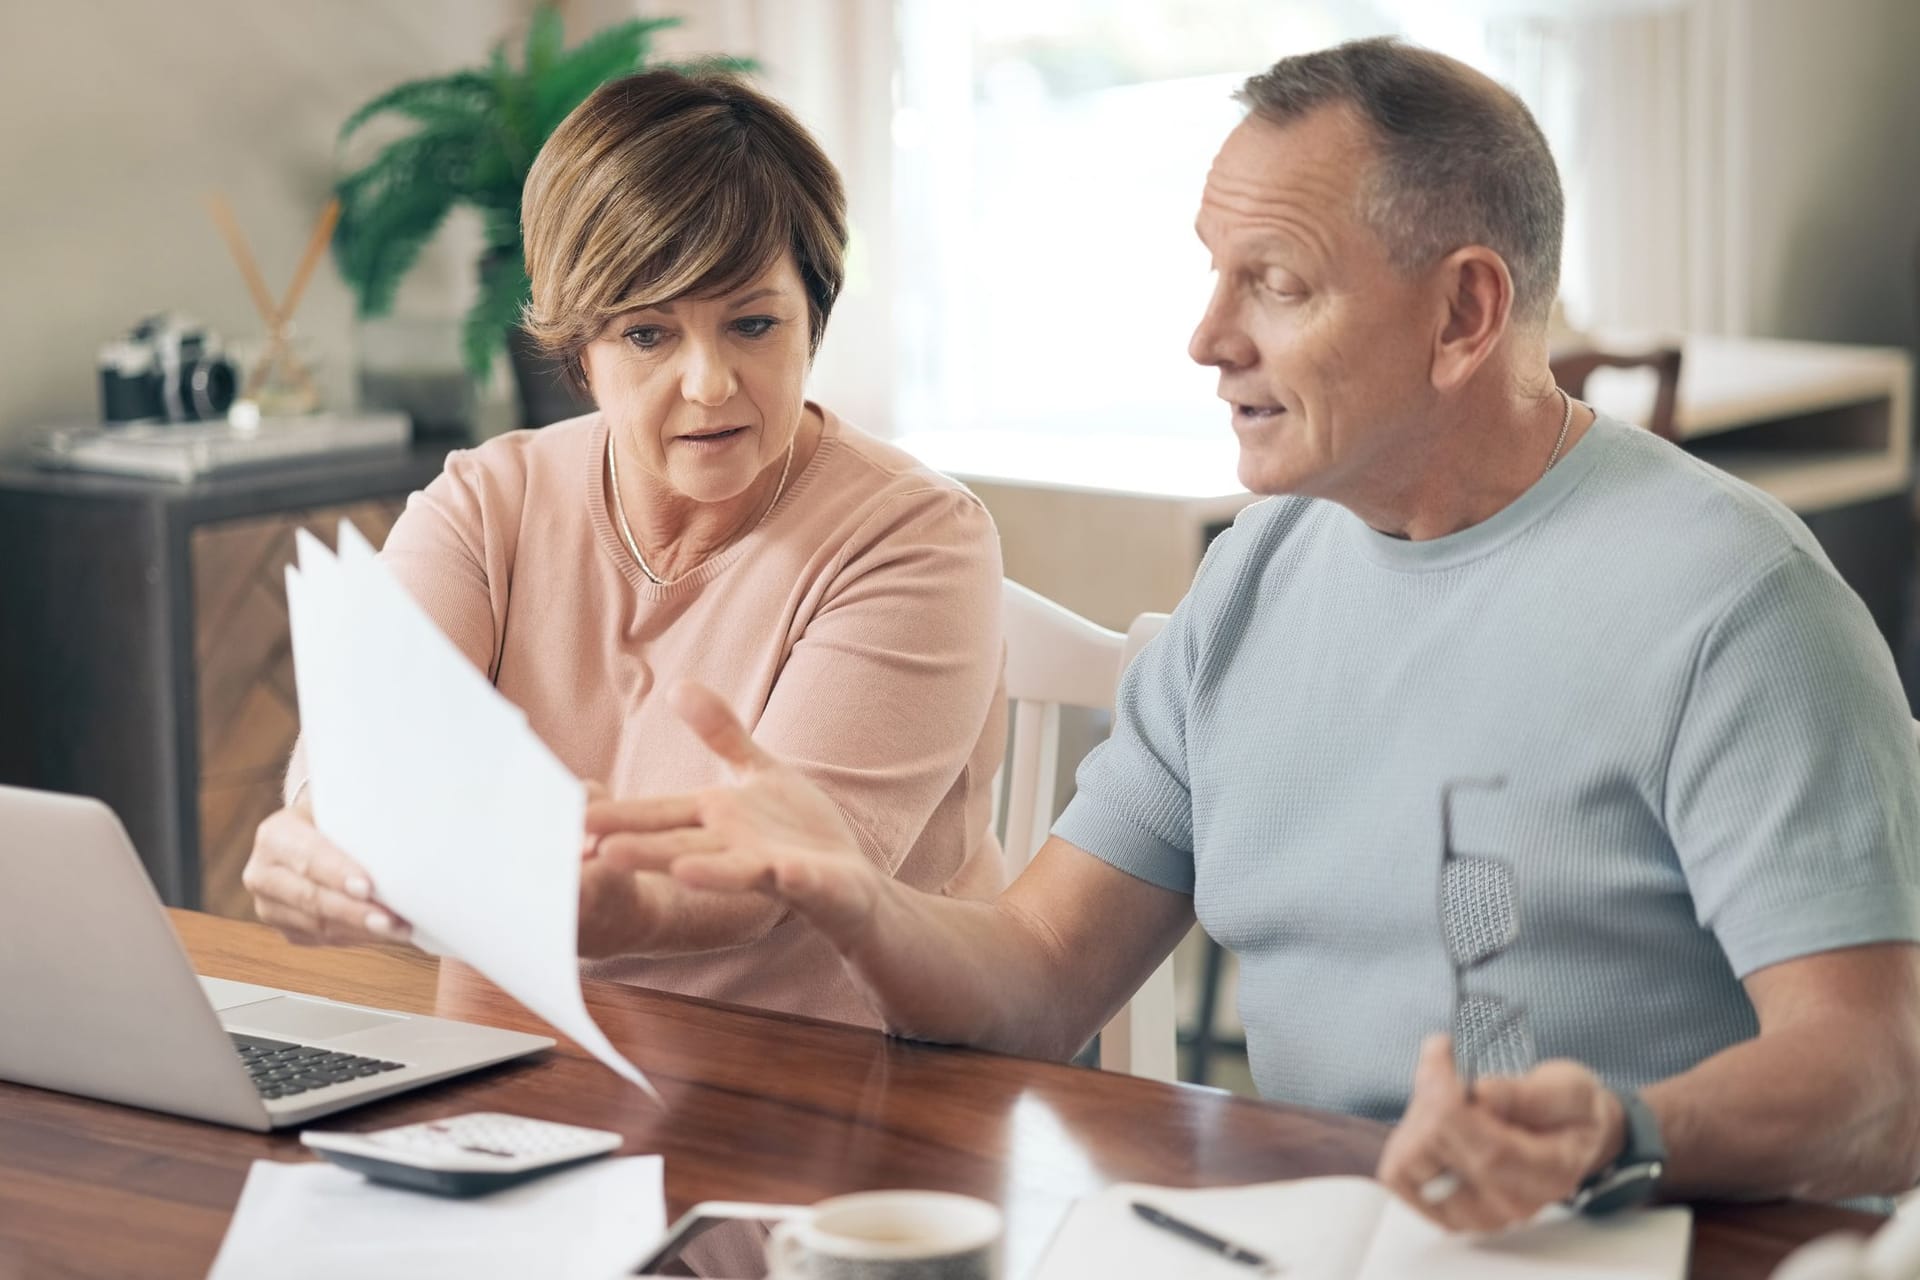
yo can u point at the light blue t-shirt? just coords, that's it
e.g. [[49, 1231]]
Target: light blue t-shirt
[[1709, 768]]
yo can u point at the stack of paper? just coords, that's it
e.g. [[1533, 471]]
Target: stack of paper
[[425, 775], [319, 1222]]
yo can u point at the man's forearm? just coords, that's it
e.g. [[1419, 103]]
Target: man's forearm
[[955, 971], [1820, 1111], [1035, 972]]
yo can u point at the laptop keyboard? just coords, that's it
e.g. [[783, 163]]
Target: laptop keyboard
[[280, 1069]]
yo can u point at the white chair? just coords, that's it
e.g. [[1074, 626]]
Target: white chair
[[1056, 658]]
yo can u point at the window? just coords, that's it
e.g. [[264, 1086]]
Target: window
[[1048, 161]]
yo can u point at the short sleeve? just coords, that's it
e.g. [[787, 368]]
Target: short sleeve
[[452, 559], [885, 698], [1793, 787], [1132, 804], [457, 569]]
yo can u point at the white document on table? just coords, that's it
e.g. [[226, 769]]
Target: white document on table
[[1353, 1229], [321, 1222], [468, 825]]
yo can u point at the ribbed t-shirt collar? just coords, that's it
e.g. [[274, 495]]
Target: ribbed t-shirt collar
[[1477, 540]]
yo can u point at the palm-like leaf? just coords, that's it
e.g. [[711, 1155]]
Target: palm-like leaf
[[545, 37], [503, 292], [463, 97], [388, 212], [476, 135], [617, 51]]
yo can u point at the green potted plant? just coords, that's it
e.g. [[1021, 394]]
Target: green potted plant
[[473, 139]]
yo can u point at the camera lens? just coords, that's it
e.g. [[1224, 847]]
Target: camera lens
[[211, 383]]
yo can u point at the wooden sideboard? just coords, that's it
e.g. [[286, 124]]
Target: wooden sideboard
[[144, 653]]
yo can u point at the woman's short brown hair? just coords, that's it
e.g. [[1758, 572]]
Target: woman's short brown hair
[[668, 184]]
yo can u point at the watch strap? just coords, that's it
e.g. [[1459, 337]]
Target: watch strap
[[1633, 1176]]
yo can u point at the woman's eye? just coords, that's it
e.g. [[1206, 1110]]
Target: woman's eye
[[645, 336], [755, 326]]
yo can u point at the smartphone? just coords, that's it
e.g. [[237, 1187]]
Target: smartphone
[[719, 1240]]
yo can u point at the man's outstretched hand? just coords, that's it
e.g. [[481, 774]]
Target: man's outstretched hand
[[770, 831]]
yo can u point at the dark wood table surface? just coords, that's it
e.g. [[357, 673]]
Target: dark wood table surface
[[759, 1107]]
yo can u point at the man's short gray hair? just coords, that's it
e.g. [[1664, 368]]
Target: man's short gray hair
[[1459, 159]]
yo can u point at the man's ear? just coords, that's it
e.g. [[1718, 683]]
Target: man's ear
[[1477, 299]]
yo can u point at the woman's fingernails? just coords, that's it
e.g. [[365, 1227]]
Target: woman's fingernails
[[379, 922], [359, 887]]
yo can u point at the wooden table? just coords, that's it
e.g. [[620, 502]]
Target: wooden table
[[759, 1107]]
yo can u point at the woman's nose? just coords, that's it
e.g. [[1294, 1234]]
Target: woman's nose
[[708, 379]]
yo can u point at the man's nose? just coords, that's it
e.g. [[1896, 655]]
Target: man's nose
[[1220, 340]]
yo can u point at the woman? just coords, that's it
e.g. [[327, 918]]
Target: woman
[[685, 238]]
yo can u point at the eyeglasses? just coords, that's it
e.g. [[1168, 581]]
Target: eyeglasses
[[1479, 923]]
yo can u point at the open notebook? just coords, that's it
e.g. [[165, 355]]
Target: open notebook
[[1353, 1229]]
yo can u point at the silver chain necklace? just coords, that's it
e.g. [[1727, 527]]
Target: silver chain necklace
[[1566, 420], [626, 530]]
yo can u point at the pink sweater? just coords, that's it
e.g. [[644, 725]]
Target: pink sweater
[[856, 632]]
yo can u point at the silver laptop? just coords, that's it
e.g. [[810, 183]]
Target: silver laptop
[[97, 997]]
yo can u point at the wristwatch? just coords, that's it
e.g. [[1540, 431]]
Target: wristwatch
[[1633, 1176]]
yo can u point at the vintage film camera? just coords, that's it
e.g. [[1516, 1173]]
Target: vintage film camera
[[169, 369]]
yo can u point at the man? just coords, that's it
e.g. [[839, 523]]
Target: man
[[1682, 795]]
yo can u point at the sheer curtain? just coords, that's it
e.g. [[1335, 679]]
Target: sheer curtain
[[1049, 158], [1022, 178], [1645, 106], [1049, 161]]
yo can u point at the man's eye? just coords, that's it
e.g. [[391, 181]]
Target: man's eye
[[755, 326], [645, 336]]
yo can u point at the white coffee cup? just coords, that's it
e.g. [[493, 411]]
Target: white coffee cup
[[890, 1235]]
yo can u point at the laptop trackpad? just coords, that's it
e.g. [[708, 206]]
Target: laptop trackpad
[[302, 1019]]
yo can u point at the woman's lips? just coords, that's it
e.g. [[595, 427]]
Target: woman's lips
[[709, 438]]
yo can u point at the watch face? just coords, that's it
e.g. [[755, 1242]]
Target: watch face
[[1625, 1187]]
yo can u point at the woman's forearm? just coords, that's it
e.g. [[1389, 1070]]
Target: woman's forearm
[[688, 921], [628, 913]]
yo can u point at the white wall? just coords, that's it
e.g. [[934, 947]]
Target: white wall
[[118, 116]]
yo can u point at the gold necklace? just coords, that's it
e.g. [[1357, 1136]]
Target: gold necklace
[[1566, 420], [626, 530]]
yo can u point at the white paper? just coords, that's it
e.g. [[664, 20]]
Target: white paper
[[1645, 1244], [321, 1222], [468, 825], [1352, 1229]]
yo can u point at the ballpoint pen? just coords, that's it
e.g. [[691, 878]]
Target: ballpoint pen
[[1199, 1238]]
